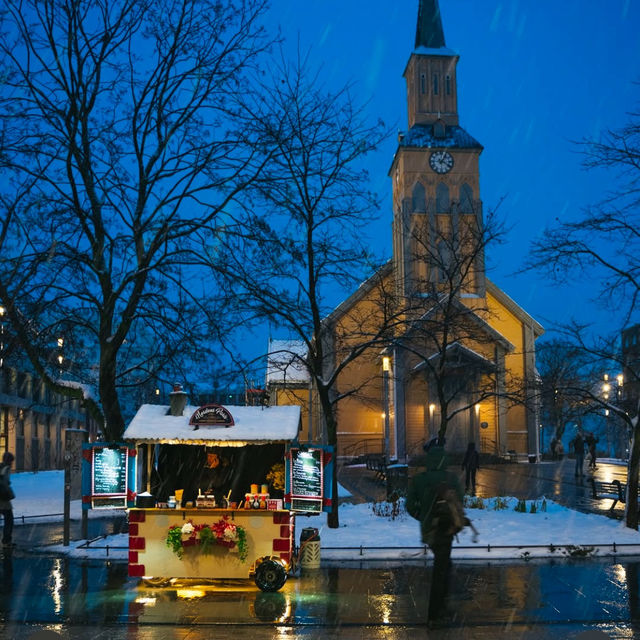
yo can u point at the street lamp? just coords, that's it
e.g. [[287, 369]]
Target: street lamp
[[386, 368]]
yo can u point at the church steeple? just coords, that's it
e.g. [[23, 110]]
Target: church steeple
[[431, 72], [429, 31]]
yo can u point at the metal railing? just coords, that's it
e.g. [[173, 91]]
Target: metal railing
[[364, 446]]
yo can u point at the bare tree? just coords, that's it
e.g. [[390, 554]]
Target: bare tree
[[119, 148], [561, 365], [603, 246], [300, 245]]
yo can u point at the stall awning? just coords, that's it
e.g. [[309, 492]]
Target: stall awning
[[252, 425]]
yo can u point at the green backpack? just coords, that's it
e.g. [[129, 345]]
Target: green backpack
[[446, 517]]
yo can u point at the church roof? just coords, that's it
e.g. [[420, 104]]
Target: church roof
[[421, 136], [286, 362], [429, 32]]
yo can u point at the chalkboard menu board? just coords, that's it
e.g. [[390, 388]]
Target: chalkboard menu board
[[109, 471], [306, 473]]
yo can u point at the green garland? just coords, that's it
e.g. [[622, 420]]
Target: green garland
[[174, 540], [243, 548], [207, 539]]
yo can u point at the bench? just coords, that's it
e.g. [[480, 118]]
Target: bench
[[615, 490]]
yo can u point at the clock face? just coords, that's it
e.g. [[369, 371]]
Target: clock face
[[441, 161]]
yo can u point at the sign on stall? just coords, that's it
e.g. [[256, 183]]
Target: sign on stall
[[108, 475], [308, 479]]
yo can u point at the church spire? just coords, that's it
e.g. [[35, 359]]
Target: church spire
[[429, 32]]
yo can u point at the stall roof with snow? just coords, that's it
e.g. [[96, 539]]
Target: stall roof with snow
[[251, 425]]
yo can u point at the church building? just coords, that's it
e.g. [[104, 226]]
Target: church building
[[450, 353]]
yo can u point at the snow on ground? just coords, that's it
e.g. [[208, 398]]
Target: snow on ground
[[562, 531]]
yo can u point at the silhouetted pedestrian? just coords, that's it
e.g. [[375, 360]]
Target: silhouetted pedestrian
[[591, 441], [422, 504], [6, 496], [578, 448], [470, 464]]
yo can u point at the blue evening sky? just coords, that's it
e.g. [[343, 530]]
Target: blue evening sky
[[532, 77]]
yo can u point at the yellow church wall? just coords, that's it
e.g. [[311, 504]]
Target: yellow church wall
[[511, 327], [360, 417], [418, 426]]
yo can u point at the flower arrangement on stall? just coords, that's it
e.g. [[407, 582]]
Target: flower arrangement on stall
[[224, 533]]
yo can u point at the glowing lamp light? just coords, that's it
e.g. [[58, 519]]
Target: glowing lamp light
[[386, 363]]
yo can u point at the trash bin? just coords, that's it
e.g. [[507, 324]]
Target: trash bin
[[397, 481], [309, 548], [533, 458]]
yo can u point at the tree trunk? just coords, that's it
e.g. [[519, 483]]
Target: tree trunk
[[331, 425], [113, 420], [631, 511]]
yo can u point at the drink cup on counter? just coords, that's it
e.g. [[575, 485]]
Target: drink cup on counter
[[179, 493]]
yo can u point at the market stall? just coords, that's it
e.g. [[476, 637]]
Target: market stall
[[213, 498]]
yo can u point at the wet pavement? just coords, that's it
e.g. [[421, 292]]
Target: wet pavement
[[491, 600]]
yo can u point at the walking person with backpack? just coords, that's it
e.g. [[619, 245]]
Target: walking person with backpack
[[578, 447], [435, 499], [470, 464], [6, 496]]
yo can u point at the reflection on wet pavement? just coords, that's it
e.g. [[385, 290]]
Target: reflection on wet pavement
[[46, 589]]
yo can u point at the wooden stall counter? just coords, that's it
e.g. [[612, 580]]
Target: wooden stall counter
[[209, 543]]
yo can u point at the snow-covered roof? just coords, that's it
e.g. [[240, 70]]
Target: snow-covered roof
[[256, 425], [284, 362], [421, 136]]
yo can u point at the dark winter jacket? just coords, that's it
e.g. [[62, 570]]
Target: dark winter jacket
[[5, 475], [423, 488], [578, 445], [471, 459]]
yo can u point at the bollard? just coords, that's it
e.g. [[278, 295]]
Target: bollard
[[310, 549]]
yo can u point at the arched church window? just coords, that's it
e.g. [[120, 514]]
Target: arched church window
[[439, 129], [444, 261], [435, 84], [442, 198], [423, 83], [466, 199], [418, 198], [447, 83]]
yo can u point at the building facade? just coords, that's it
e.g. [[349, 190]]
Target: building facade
[[34, 421]]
